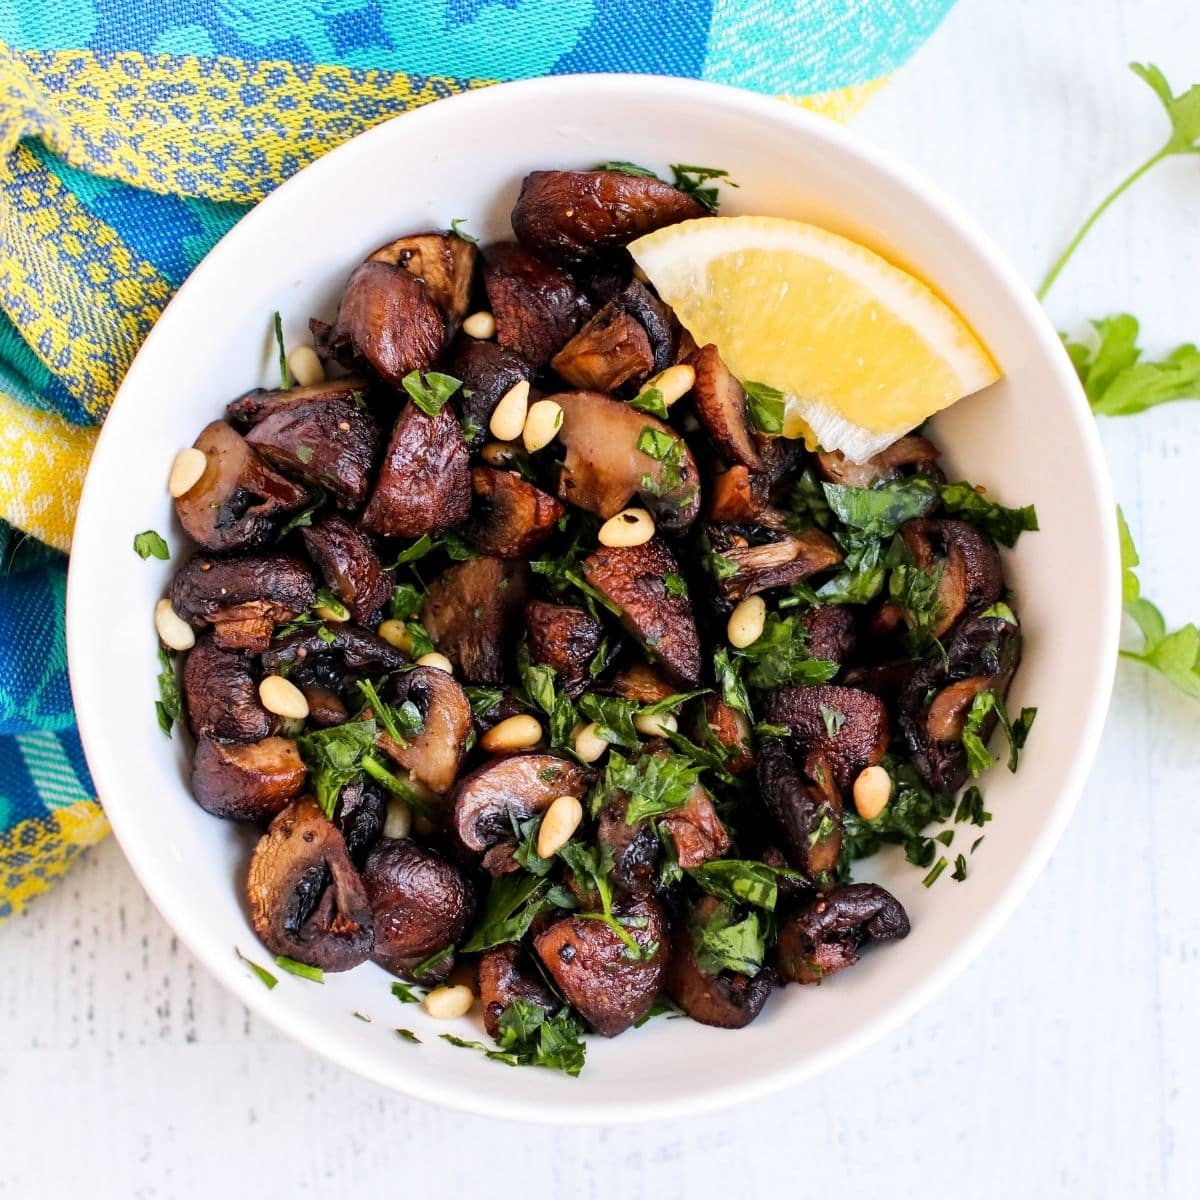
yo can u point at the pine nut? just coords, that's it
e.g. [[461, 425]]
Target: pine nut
[[630, 527], [589, 745], [558, 825], [395, 633], [746, 622], [399, 819], [514, 733], [508, 417], [499, 454], [481, 325], [173, 631], [186, 471], [872, 791], [336, 615], [674, 383], [654, 724], [447, 1003], [282, 697], [439, 661], [305, 366], [542, 425]]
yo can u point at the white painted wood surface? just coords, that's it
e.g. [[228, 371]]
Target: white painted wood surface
[[1065, 1062]]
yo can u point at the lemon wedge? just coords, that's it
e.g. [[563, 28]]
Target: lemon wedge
[[862, 351]]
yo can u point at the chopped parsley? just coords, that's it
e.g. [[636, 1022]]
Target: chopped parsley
[[285, 376], [725, 943], [650, 400], [149, 544], [765, 406], [692, 180], [456, 228], [169, 706], [334, 758], [263, 975], [430, 390], [304, 970]]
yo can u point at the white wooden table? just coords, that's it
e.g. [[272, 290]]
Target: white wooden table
[[1066, 1061]]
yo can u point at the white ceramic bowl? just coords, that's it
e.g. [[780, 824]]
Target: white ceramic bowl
[[1029, 438]]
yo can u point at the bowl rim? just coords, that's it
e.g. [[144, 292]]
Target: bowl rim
[[426, 1085]]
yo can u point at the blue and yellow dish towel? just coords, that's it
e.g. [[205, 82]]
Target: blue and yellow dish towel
[[134, 133]]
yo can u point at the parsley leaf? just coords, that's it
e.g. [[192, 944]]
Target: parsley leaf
[[655, 784], [765, 406], [151, 544], [1183, 112], [613, 716], [456, 228], [725, 944], [304, 970], [877, 512], [537, 1039], [404, 993], [1119, 383], [626, 168], [728, 672], [285, 376], [303, 517], [264, 976], [780, 656], [539, 684], [743, 881], [1175, 655], [1003, 525], [430, 390], [401, 723], [334, 757], [650, 400], [692, 179], [512, 903], [169, 705]]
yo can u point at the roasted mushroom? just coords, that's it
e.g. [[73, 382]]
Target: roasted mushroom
[[727, 1000], [634, 579], [354, 650], [641, 682], [259, 403], [830, 632], [243, 598], [424, 484], [360, 814], [780, 560], [912, 451], [306, 899], [826, 936], [611, 350], [488, 372], [595, 970], [504, 978], [471, 612], [490, 799], [563, 637], [806, 806], [721, 405], [636, 849], [568, 216], [444, 261], [221, 694], [511, 516], [350, 566], [433, 756], [247, 781], [697, 834], [387, 319], [729, 727], [420, 904], [536, 306], [737, 496], [971, 574], [604, 468], [846, 726], [239, 501]]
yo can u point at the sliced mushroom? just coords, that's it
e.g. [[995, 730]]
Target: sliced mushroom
[[490, 799], [604, 469], [306, 899], [737, 496], [911, 451], [563, 637], [243, 598], [982, 654], [598, 974], [569, 216], [696, 831], [444, 261], [360, 814], [536, 306], [633, 578], [424, 484], [830, 630], [641, 682], [785, 559], [826, 936], [221, 694], [325, 706], [388, 319], [349, 565], [353, 649], [248, 781], [806, 806], [721, 405], [433, 756], [636, 849], [260, 403], [729, 727], [239, 500], [512, 516], [726, 1000], [471, 612], [327, 442], [611, 350], [503, 978], [654, 317], [846, 726], [420, 905], [972, 577], [488, 372]]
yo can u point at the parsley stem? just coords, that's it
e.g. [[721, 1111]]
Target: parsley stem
[[1097, 213], [396, 786]]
